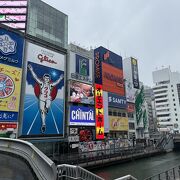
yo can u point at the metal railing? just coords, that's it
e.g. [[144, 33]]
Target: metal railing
[[128, 177], [68, 172], [171, 174], [108, 155], [42, 166]]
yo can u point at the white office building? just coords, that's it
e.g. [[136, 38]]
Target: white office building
[[167, 99]]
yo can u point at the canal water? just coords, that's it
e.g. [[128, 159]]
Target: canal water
[[141, 168]]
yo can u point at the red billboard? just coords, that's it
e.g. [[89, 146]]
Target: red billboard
[[112, 79], [99, 111], [130, 107]]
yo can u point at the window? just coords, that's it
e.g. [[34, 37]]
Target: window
[[173, 99], [174, 104], [172, 90], [171, 85], [123, 114], [119, 114], [110, 113], [175, 114], [114, 113], [176, 119], [172, 94], [174, 109], [131, 126]]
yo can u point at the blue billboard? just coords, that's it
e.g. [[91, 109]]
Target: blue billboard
[[11, 53], [11, 48], [80, 115], [117, 101], [109, 57]]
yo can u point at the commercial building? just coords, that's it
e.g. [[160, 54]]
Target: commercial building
[[108, 72], [166, 92], [80, 123], [131, 79], [150, 100], [37, 111]]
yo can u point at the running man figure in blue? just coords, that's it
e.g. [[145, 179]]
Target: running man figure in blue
[[45, 96]]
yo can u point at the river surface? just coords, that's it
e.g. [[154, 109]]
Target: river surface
[[141, 168]]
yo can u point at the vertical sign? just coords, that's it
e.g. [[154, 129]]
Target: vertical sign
[[11, 51], [97, 67], [44, 96], [99, 111], [135, 76]]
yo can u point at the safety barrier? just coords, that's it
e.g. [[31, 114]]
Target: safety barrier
[[42, 166], [67, 172]]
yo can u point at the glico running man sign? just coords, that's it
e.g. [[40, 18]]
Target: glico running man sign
[[44, 96]]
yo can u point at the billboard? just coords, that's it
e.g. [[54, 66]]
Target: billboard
[[81, 68], [80, 115], [106, 109], [99, 111], [109, 57], [8, 129], [97, 67], [130, 107], [135, 76], [81, 93], [44, 93], [112, 79], [115, 100], [13, 14], [11, 52], [118, 123]]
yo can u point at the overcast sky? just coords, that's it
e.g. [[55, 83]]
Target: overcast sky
[[146, 30]]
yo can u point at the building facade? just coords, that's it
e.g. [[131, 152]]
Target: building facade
[[166, 99]]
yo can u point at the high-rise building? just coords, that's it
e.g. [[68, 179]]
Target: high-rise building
[[166, 92], [37, 19]]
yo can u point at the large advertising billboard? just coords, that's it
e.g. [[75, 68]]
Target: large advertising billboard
[[44, 94], [115, 100], [112, 79], [13, 14], [80, 68], [99, 111], [135, 75], [80, 115], [102, 54], [81, 93], [118, 123], [11, 53]]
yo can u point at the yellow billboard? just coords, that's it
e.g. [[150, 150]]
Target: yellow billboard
[[118, 123], [10, 86]]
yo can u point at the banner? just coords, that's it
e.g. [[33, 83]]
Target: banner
[[118, 123], [80, 68], [81, 93], [139, 105], [117, 101], [11, 52], [99, 111], [80, 115], [135, 76], [44, 95], [112, 79]]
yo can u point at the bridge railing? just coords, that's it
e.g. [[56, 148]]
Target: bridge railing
[[171, 174], [128, 177], [68, 172], [42, 166]]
